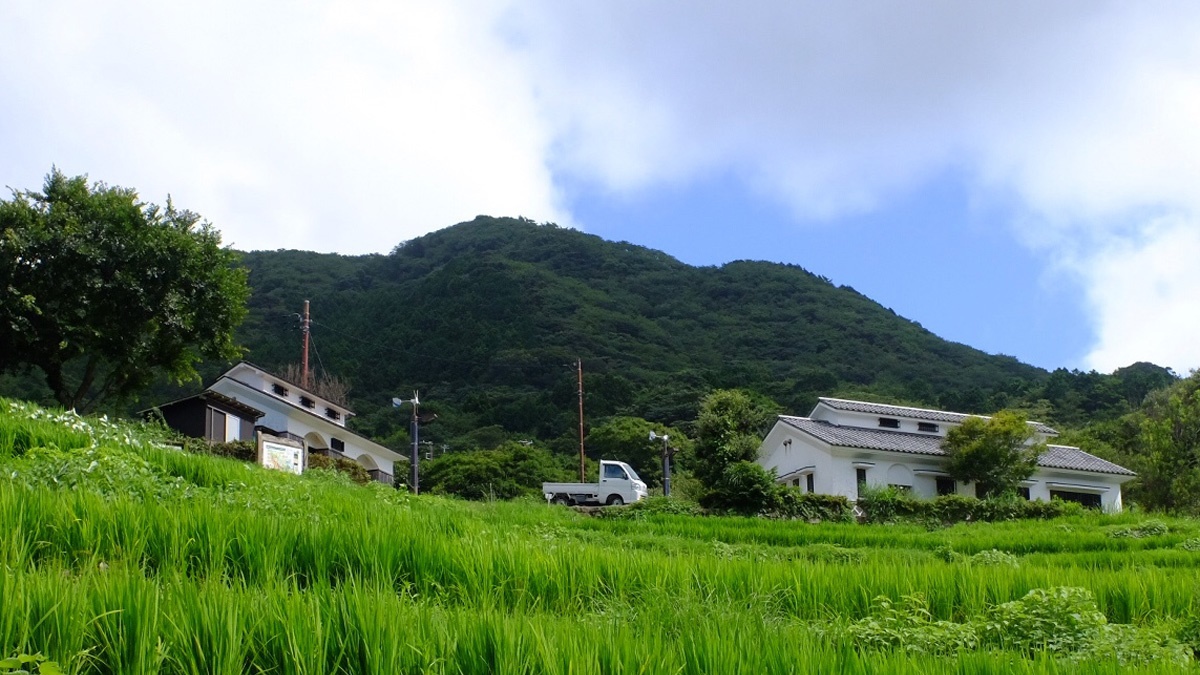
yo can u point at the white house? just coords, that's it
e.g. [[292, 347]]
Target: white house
[[247, 398], [843, 445]]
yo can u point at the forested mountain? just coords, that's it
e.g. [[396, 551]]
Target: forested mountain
[[487, 319]]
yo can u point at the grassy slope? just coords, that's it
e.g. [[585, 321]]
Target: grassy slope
[[121, 557]]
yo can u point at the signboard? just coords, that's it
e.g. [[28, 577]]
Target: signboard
[[283, 454]]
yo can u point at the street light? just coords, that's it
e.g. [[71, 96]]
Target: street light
[[667, 451], [414, 472]]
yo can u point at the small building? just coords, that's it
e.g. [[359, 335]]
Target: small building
[[247, 398], [844, 445]]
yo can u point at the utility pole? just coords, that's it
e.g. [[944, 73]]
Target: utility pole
[[414, 481], [667, 451], [304, 328], [582, 466]]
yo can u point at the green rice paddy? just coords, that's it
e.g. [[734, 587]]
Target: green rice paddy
[[121, 556]]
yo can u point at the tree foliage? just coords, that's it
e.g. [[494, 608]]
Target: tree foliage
[[995, 453], [512, 470], [1167, 453], [101, 292], [730, 427], [628, 439]]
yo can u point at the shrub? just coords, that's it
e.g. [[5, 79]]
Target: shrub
[[653, 506], [792, 503], [745, 488], [357, 472], [1059, 620], [908, 625], [887, 504], [1148, 528], [245, 451], [994, 557], [1192, 544]]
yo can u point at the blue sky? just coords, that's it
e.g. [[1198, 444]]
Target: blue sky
[[1021, 177], [928, 256]]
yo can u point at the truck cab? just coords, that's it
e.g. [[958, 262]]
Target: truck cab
[[619, 484]]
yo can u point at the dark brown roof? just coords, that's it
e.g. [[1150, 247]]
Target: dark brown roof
[[250, 411]]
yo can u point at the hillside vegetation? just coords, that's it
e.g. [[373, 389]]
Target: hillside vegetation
[[487, 319], [126, 557]]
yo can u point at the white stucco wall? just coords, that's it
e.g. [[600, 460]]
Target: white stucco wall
[[834, 469], [280, 416]]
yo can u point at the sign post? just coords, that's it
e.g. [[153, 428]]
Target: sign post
[[282, 454]]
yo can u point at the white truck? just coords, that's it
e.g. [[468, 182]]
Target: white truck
[[619, 484]]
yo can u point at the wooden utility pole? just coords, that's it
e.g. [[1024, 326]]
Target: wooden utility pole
[[304, 359], [582, 466]]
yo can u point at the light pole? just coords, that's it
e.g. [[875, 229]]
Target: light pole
[[667, 451], [414, 480]]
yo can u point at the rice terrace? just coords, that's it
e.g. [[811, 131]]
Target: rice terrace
[[122, 555]]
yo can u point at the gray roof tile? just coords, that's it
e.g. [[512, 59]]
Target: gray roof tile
[[1055, 457], [913, 413]]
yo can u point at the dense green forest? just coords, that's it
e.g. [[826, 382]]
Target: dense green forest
[[487, 318]]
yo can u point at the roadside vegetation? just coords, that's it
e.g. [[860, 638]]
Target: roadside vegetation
[[123, 556]]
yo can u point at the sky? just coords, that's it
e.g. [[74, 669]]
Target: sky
[[1022, 177]]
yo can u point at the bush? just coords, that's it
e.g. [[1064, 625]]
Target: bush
[[888, 504], [357, 472], [653, 506], [994, 557], [245, 451], [908, 625], [791, 503], [1148, 528], [1192, 544], [745, 488], [1059, 620]]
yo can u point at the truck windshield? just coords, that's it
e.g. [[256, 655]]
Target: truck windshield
[[632, 474]]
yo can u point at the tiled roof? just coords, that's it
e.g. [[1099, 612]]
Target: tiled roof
[[913, 413], [1055, 457], [1067, 457]]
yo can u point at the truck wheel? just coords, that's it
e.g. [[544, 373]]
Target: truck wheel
[[615, 500], [561, 500]]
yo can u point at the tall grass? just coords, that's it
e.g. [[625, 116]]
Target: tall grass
[[229, 568]]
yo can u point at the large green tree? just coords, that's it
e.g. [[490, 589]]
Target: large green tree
[[730, 427], [1167, 449], [995, 453], [628, 439], [103, 292]]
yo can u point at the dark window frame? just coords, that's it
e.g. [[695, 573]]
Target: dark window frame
[[928, 427], [889, 423]]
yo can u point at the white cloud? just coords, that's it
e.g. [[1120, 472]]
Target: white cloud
[[327, 126], [1143, 290], [354, 125]]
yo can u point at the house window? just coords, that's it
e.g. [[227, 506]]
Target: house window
[[337, 444], [1088, 499], [279, 390], [809, 482], [946, 486], [332, 414], [307, 402], [216, 425], [860, 476], [1024, 492], [796, 482], [889, 422], [929, 427]]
